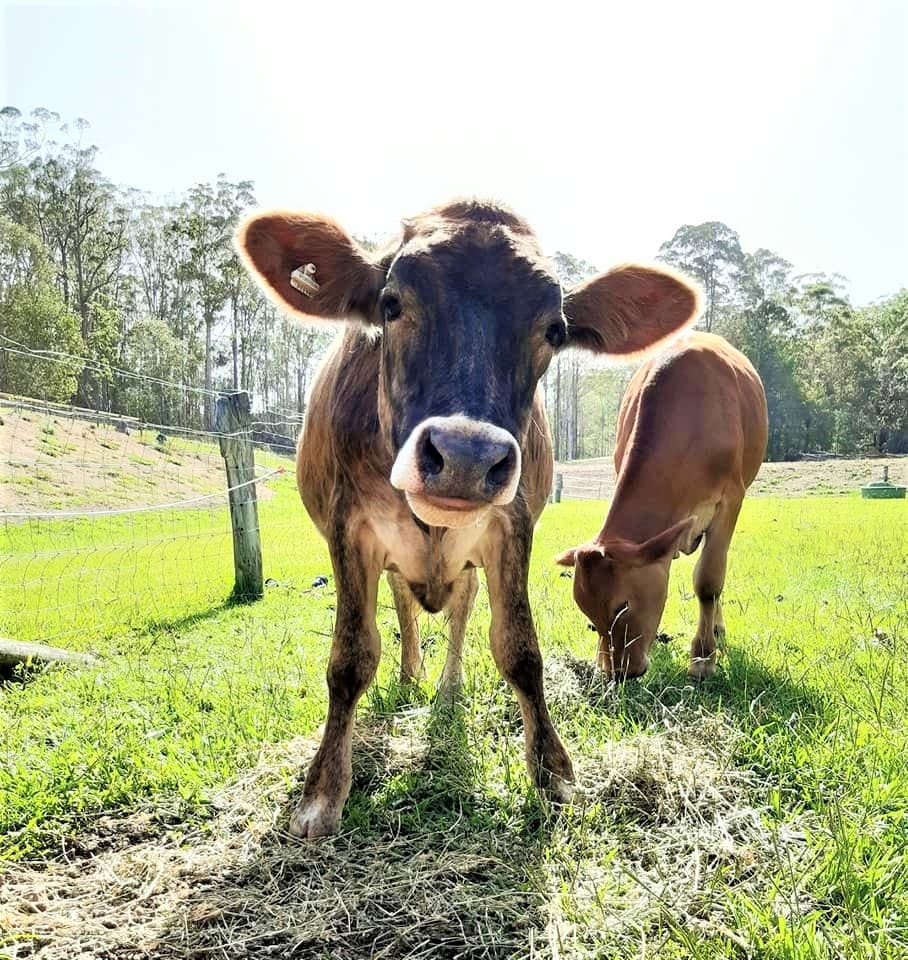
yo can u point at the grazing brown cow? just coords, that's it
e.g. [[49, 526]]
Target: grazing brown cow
[[426, 451], [691, 437]]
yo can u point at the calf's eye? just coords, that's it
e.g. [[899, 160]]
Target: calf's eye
[[390, 307], [556, 333]]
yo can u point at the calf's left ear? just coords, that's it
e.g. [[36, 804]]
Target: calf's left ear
[[309, 265], [660, 547], [630, 310], [567, 558]]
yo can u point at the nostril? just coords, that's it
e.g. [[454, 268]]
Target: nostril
[[431, 461], [500, 474]]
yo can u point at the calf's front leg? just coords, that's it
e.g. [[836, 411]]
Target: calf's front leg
[[355, 653], [516, 652]]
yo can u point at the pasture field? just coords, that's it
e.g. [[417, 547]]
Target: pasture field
[[585, 479], [144, 802]]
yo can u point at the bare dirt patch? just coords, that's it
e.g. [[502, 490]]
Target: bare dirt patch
[[595, 479]]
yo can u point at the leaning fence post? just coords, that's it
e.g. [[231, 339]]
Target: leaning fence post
[[233, 425], [559, 484]]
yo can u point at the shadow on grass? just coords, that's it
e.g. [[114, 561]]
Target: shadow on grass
[[176, 624], [20, 674], [422, 868], [743, 688]]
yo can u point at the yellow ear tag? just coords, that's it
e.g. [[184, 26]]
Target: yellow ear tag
[[303, 279]]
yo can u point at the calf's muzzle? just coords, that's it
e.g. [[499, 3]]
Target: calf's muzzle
[[456, 465]]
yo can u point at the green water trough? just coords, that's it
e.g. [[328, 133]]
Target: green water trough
[[883, 489]]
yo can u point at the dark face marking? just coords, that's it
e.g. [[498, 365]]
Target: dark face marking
[[471, 317]]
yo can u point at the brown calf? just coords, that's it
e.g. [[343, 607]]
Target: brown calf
[[691, 437], [426, 451]]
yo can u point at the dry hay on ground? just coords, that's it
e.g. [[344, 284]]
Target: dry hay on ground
[[658, 817], [672, 821]]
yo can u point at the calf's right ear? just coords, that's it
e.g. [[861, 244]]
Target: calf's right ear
[[631, 310], [274, 244]]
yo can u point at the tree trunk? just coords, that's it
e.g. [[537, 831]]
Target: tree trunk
[[234, 346], [556, 419], [209, 406]]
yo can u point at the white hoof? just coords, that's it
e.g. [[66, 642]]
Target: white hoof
[[314, 818], [702, 668]]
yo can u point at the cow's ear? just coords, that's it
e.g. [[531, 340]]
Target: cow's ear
[[660, 547], [567, 558], [630, 310], [341, 282], [586, 553]]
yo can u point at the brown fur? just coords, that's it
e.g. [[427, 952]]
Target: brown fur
[[691, 436], [473, 334]]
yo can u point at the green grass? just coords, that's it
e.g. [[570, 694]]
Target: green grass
[[764, 813]]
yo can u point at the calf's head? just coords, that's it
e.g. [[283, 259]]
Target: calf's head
[[470, 314], [621, 587]]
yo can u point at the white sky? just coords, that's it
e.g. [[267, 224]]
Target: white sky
[[608, 125]]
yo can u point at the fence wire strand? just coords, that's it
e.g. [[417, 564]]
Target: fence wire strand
[[108, 519]]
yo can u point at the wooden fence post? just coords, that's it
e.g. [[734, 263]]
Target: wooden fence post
[[559, 485], [233, 424]]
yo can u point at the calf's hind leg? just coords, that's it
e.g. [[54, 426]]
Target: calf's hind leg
[[458, 610], [408, 617], [709, 580], [355, 652]]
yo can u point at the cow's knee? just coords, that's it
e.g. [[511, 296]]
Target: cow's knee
[[350, 671], [521, 668]]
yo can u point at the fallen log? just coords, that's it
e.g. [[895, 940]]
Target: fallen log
[[16, 651]]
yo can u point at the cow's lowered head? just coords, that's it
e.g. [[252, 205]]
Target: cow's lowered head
[[470, 314], [622, 586]]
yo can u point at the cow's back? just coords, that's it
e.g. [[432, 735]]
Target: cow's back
[[692, 419]]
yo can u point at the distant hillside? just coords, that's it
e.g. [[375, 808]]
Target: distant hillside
[[54, 462], [595, 479]]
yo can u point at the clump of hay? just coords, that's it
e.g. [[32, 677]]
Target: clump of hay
[[242, 888], [669, 822], [660, 817]]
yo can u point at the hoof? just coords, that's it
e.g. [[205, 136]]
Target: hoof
[[314, 818], [558, 790], [450, 689], [410, 677], [701, 669], [554, 776]]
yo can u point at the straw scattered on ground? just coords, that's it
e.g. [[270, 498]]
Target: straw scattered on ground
[[658, 817]]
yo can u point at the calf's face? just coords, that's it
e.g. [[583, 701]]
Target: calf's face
[[472, 318], [470, 315], [621, 587]]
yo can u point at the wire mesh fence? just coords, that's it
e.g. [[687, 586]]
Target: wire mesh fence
[[106, 518]]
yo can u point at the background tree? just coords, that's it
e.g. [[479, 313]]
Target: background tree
[[77, 215], [562, 382], [33, 313], [711, 253], [206, 222]]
